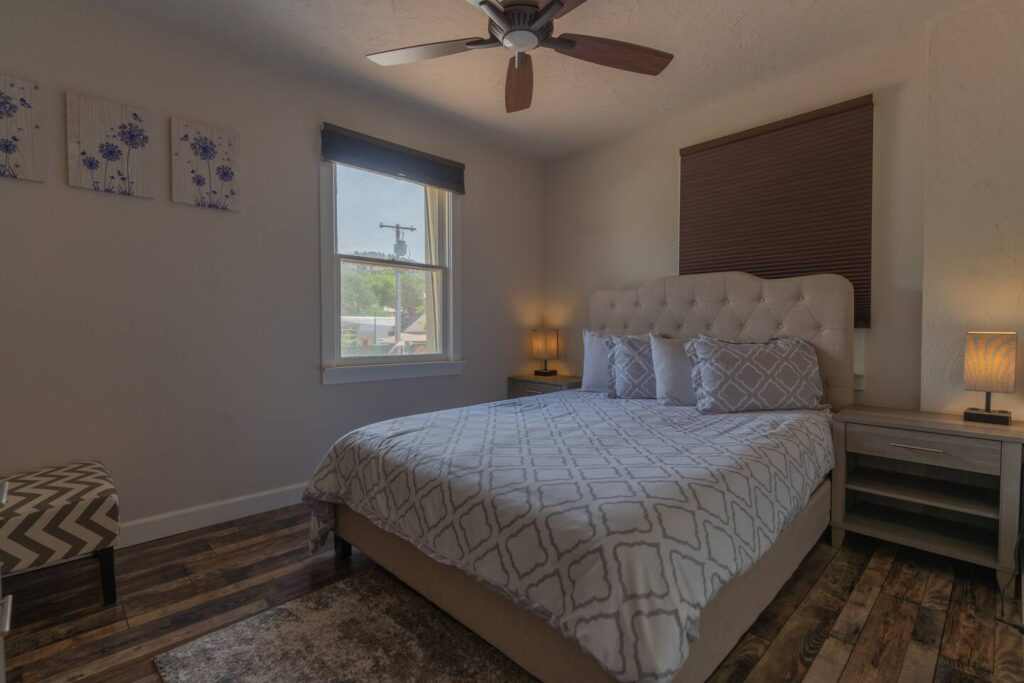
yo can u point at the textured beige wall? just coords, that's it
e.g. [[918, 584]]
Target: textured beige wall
[[974, 242], [611, 214], [180, 346]]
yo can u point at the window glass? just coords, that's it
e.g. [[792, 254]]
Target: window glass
[[367, 203], [375, 300]]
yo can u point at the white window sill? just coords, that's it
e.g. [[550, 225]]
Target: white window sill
[[387, 371]]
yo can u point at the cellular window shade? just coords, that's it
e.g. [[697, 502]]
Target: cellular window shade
[[786, 199], [348, 147]]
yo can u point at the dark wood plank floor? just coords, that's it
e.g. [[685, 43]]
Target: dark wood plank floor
[[868, 612]]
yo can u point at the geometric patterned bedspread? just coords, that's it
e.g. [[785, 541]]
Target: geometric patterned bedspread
[[616, 521]]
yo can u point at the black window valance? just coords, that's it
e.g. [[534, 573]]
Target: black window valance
[[348, 147]]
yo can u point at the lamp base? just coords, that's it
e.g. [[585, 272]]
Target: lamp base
[[545, 373], [992, 417]]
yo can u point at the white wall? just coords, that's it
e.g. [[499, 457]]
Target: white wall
[[974, 244], [611, 214], [181, 346]]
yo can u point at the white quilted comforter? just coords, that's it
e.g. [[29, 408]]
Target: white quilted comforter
[[616, 521]]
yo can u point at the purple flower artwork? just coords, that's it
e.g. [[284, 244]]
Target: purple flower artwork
[[204, 165], [108, 146], [21, 144]]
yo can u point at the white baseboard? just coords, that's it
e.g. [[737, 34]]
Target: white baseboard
[[188, 519]]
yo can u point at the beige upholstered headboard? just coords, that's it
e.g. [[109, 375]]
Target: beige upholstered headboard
[[742, 307]]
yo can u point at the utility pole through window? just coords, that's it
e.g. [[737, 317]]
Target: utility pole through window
[[401, 249]]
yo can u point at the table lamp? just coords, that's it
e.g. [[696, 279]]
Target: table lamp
[[990, 365], [544, 346]]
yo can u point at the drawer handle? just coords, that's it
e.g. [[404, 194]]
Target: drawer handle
[[5, 620], [917, 448]]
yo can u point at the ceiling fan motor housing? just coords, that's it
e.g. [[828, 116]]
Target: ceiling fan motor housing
[[520, 15]]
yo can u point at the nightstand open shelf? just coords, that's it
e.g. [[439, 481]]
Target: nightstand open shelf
[[947, 495], [951, 539]]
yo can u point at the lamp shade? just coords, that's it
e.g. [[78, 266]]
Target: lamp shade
[[990, 362], [544, 344]]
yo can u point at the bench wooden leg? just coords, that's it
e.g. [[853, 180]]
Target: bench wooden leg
[[107, 577], [342, 548]]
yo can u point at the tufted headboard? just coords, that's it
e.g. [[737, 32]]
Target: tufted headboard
[[742, 307]]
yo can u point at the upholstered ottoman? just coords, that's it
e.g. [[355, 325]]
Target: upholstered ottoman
[[59, 513]]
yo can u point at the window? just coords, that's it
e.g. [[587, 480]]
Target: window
[[388, 280]]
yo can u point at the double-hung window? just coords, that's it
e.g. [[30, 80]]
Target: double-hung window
[[389, 290]]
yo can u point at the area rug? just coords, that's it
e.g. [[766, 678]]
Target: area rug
[[366, 627]]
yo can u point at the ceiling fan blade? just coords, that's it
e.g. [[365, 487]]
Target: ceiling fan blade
[[613, 53], [419, 53], [568, 6], [519, 84]]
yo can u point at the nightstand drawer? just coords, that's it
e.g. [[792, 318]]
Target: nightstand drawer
[[521, 389], [534, 385], [941, 450]]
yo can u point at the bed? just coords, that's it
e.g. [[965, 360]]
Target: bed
[[595, 539]]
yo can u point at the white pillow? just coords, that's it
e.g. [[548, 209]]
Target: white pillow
[[595, 362], [673, 372]]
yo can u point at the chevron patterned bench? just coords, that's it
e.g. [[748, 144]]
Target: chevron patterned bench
[[60, 513]]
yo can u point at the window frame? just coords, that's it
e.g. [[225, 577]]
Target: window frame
[[337, 369]]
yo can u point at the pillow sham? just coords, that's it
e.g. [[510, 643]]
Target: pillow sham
[[673, 377], [736, 377], [630, 367]]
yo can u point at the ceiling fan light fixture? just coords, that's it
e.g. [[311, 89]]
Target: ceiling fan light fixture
[[520, 40]]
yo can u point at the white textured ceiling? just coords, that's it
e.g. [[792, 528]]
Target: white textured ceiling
[[721, 47]]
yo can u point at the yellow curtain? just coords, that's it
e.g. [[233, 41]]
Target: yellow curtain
[[437, 209]]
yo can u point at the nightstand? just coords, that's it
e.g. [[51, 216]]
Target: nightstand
[[929, 481], [531, 385]]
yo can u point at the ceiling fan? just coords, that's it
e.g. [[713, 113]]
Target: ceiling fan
[[522, 26]]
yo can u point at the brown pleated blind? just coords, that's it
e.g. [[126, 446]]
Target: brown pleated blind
[[789, 198]]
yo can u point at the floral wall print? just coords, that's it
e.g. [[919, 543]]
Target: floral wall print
[[21, 141], [109, 146], [204, 165]]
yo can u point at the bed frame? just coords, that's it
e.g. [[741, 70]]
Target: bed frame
[[733, 306]]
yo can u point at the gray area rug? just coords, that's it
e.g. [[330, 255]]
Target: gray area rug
[[366, 627]]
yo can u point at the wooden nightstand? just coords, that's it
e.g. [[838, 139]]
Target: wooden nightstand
[[930, 481], [531, 385]]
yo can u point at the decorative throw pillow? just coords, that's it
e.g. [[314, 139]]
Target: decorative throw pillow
[[734, 377], [630, 367], [672, 372], [595, 362]]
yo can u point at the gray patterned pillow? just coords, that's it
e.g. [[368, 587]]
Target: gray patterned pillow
[[630, 368], [733, 377]]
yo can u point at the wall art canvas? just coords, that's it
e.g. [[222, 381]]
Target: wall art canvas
[[109, 146], [21, 129], [204, 165]]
